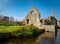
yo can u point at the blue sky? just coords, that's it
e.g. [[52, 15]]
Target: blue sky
[[19, 8]]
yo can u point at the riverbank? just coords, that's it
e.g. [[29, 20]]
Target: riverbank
[[19, 31], [41, 39]]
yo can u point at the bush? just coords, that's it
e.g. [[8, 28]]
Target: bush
[[28, 31], [21, 31], [9, 23]]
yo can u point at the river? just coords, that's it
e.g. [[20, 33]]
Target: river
[[44, 38]]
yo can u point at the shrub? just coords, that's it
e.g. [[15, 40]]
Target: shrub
[[27, 31], [21, 31]]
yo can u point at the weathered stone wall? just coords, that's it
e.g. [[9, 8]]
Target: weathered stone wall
[[50, 28], [52, 20], [33, 17], [49, 21]]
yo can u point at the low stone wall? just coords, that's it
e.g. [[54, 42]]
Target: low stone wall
[[50, 28]]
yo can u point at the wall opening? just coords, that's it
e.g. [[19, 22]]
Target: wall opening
[[31, 24], [32, 12], [27, 21]]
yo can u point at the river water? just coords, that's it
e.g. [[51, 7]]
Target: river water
[[44, 38]]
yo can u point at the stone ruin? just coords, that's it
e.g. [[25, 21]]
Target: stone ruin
[[33, 18]]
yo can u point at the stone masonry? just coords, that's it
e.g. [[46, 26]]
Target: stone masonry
[[33, 17]]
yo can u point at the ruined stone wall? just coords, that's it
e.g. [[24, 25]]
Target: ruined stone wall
[[49, 21], [52, 20], [33, 17], [50, 28]]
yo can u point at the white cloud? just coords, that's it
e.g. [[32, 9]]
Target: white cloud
[[18, 18]]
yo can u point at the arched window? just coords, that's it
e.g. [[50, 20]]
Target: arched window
[[32, 12]]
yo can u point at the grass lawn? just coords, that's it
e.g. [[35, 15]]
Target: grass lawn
[[21, 31], [5, 29]]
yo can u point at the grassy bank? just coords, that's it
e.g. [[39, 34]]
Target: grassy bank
[[21, 31], [6, 29]]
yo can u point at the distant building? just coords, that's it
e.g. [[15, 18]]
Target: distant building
[[58, 23], [1, 17], [11, 19], [51, 20], [6, 18]]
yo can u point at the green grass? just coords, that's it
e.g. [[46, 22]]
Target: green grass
[[21, 31], [5, 29]]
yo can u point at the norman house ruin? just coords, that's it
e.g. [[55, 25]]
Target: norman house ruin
[[33, 18]]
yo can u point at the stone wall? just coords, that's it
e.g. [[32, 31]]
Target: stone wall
[[50, 28], [33, 17]]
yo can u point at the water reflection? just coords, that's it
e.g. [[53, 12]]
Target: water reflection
[[45, 38], [57, 41]]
